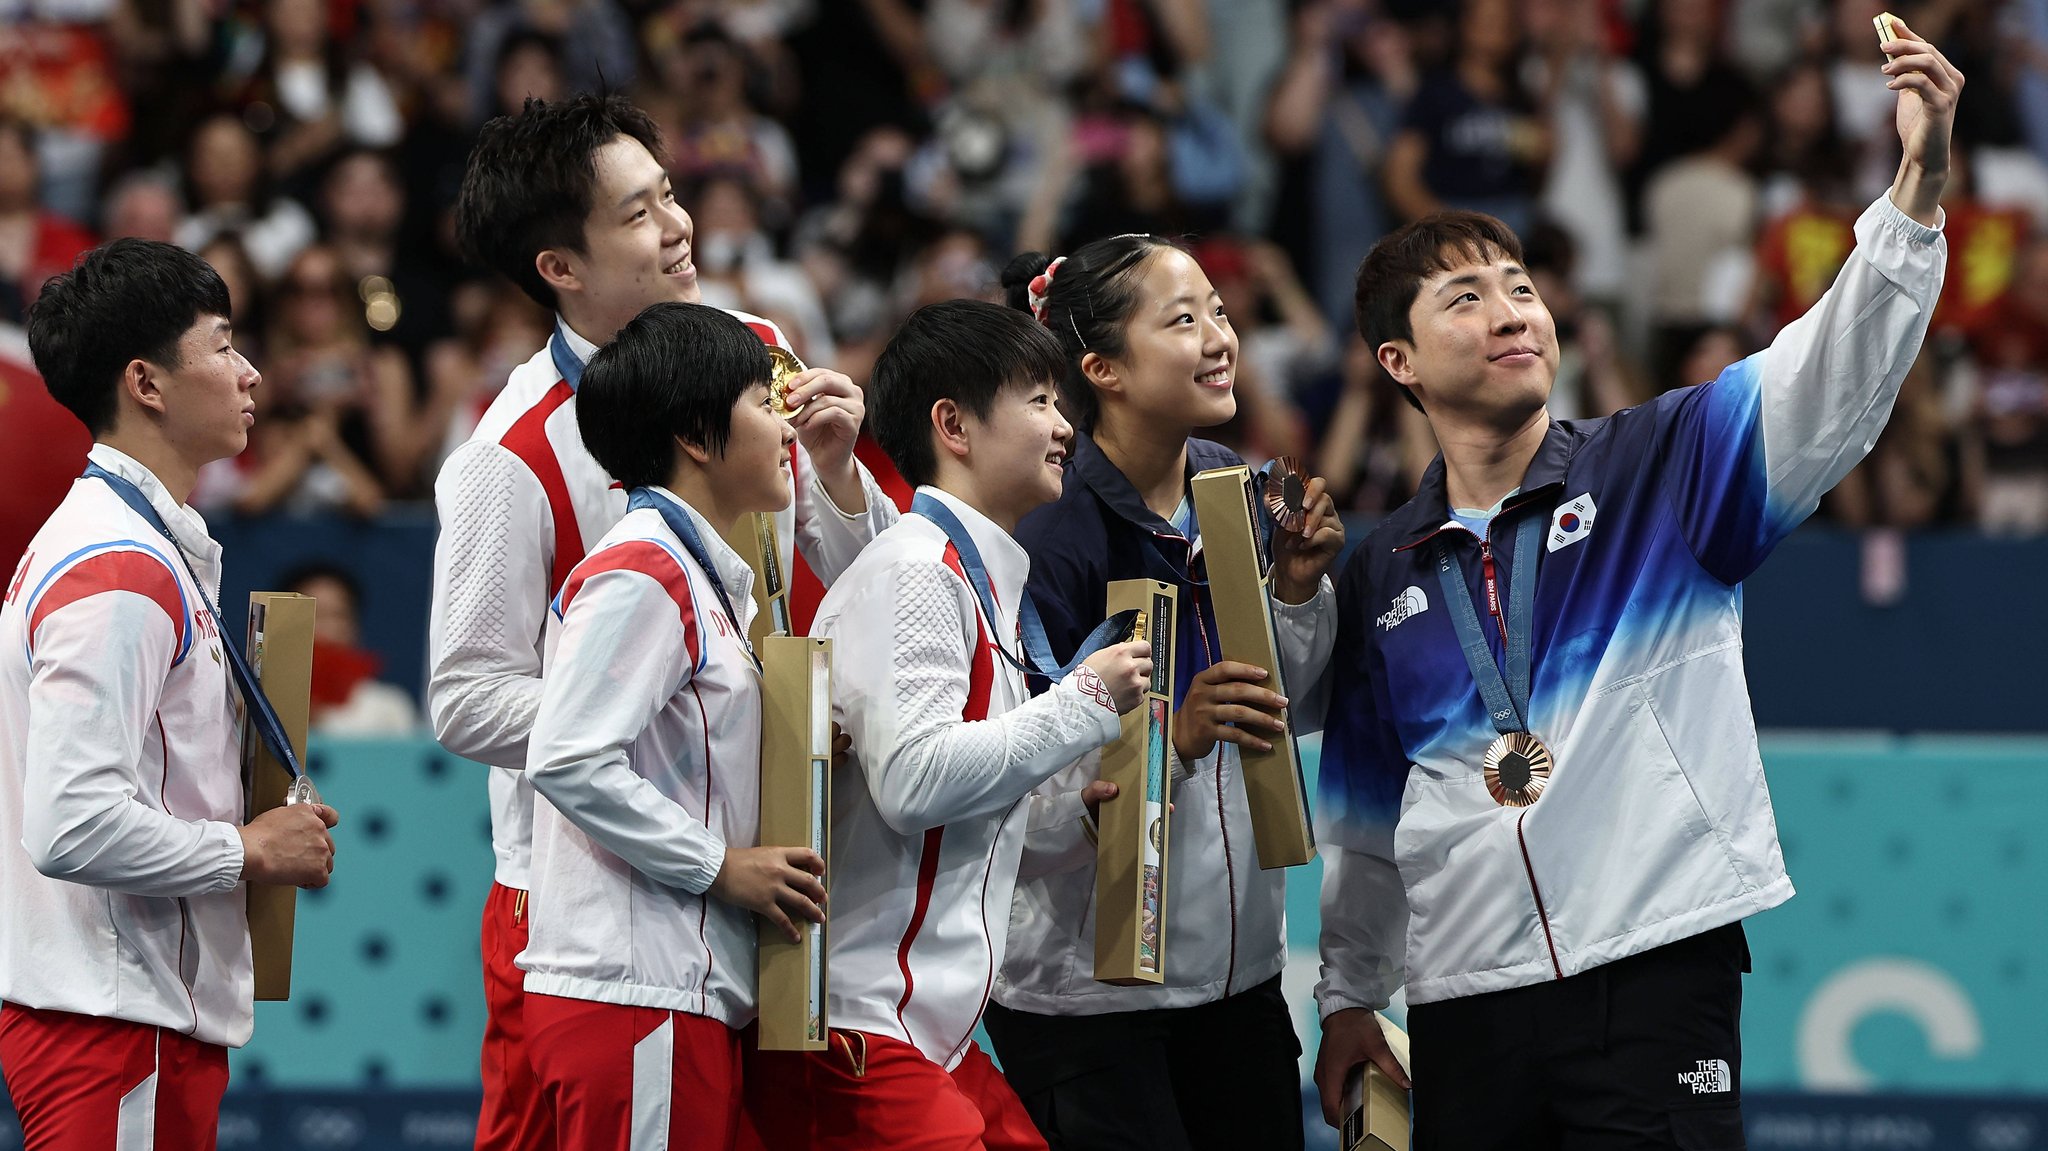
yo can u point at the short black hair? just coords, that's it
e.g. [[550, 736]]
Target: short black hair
[[125, 300], [1088, 305], [1392, 273], [530, 179], [966, 351], [674, 372], [319, 569]]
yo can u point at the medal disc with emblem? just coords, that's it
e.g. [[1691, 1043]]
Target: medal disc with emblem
[[1517, 769], [787, 368]]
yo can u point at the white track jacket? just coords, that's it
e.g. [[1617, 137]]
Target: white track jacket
[[120, 773], [928, 823]]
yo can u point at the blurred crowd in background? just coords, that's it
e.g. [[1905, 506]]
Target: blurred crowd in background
[[1685, 175]]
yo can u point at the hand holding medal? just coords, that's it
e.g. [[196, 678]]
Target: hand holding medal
[[1307, 534]]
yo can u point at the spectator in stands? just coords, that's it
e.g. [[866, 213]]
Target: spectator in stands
[[308, 96], [1472, 137], [2009, 407], [1594, 100], [363, 203], [347, 696], [724, 131], [328, 413], [1337, 107], [143, 205], [737, 267], [34, 244], [1376, 444], [320, 352], [496, 329], [1695, 93], [1700, 215], [230, 191], [1920, 473]]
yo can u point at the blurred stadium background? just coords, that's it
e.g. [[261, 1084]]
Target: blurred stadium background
[[1684, 171]]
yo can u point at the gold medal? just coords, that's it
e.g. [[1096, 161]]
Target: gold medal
[[787, 368], [1517, 769]]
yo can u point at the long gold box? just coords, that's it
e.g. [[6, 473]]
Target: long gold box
[[280, 647], [1131, 830], [1376, 1115], [1242, 599], [753, 536], [796, 809]]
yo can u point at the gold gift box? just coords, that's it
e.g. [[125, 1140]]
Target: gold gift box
[[1239, 593], [280, 647], [1375, 1107], [796, 809], [1131, 830], [753, 536]]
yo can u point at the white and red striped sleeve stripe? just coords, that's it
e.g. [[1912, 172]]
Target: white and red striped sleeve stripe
[[629, 640]]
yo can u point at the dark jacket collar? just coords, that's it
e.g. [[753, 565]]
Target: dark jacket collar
[[1116, 491], [1426, 514]]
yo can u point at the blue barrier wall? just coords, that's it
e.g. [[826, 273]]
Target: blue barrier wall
[[1940, 659]]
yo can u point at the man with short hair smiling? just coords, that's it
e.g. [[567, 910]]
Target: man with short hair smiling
[[569, 200], [1542, 807], [125, 966]]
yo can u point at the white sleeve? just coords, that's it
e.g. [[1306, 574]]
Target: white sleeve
[[1306, 634], [96, 675], [925, 765], [1829, 379], [1364, 930], [1058, 834], [828, 538], [620, 658], [491, 565]]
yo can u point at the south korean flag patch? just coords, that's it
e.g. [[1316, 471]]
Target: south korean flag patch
[[1572, 521]]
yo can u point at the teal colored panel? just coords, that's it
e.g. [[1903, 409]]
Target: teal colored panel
[[1915, 955], [1912, 957], [387, 979]]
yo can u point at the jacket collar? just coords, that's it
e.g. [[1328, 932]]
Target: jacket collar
[[1430, 511], [1116, 491]]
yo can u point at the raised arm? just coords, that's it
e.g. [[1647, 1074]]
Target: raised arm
[[926, 763]]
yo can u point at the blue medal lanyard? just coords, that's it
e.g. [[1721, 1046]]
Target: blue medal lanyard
[[268, 726], [685, 529], [1507, 700], [1038, 658]]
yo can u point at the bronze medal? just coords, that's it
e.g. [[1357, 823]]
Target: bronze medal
[[1517, 769]]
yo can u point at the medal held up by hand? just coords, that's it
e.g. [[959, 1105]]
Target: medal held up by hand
[[1284, 487], [787, 368]]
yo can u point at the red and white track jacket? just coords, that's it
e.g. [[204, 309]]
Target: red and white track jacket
[[928, 829], [646, 757], [120, 773], [520, 503]]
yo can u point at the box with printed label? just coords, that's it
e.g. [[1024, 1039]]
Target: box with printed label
[[1131, 830]]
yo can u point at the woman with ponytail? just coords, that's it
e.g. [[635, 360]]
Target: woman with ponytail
[[1208, 1059]]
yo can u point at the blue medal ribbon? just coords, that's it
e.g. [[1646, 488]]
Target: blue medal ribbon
[[565, 357], [685, 529], [1507, 700], [268, 726], [1038, 658]]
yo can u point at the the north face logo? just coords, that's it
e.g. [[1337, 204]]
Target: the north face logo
[[1408, 603], [1708, 1077]]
